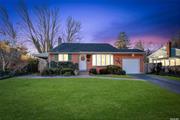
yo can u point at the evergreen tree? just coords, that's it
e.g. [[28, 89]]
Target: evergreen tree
[[123, 41]]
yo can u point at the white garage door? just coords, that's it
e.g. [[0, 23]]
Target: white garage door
[[131, 66]]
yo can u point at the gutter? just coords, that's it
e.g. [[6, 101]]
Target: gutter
[[103, 52]]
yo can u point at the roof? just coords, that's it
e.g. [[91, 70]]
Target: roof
[[130, 50], [90, 47], [162, 53], [41, 55]]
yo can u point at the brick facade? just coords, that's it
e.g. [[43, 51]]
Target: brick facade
[[116, 57]]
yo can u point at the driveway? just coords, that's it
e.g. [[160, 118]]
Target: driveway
[[171, 85]]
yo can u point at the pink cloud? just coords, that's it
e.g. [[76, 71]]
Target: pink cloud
[[150, 42]]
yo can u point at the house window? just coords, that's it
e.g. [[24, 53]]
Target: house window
[[177, 61], [172, 62], [63, 57], [166, 62], [102, 59]]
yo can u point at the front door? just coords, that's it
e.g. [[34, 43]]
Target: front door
[[82, 62]]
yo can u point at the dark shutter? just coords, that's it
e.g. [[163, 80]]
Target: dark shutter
[[56, 57], [69, 57]]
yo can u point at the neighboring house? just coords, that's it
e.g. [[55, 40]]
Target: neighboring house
[[166, 55], [43, 61], [95, 55]]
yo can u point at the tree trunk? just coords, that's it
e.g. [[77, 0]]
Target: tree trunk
[[3, 64]]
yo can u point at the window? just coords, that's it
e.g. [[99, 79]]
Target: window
[[177, 61], [94, 60], [172, 62], [107, 60], [63, 57], [163, 63], [102, 59], [166, 62]]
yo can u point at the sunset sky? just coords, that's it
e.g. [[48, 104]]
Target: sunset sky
[[147, 20]]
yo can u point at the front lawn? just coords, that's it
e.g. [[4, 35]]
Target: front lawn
[[85, 99]]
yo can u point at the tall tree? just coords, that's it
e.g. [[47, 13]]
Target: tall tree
[[7, 28], [42, 30], [73, 29], [9, 54], [123, 41], [139, 45]]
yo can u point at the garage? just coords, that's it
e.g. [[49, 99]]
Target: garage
[[131, 66]]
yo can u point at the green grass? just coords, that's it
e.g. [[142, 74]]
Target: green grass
[[114, 76], [85, 99], [172, 78]]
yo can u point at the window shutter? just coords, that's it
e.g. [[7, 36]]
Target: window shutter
[[69, 57], [56, 57]]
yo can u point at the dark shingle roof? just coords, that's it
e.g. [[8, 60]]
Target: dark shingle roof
[[89, 47], [129, 50]]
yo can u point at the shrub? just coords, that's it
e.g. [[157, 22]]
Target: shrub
[[32, 66], [113, 69], [66, 70], [158, 68], [103, 71], [93, 71], [67, 74], [66, 65], [51, 71], [53, 64], [4, 73], [122, 72]]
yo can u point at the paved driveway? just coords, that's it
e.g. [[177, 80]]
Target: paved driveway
[[171, 85]]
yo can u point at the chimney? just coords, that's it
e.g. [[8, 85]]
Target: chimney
[[59, 41], [168, 49]]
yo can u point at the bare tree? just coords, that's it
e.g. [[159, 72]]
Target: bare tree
[[43, 29], [6, 25], [73, 29], [8, 54], [139, 45]]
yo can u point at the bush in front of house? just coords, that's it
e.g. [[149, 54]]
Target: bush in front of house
[[67, 71], [103, 71], [67, 65], [4, 73], [51, 71], [61, 68], [157, 68], [123, 72], [53, 64], [113, 69], [93, 71]]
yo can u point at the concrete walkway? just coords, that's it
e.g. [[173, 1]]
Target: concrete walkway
[[79, 76], [171, 85]]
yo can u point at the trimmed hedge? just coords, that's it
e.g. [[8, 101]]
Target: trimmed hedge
[[103, 71], [113, 69], [93, 71], [61, 68], [110, 69]]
